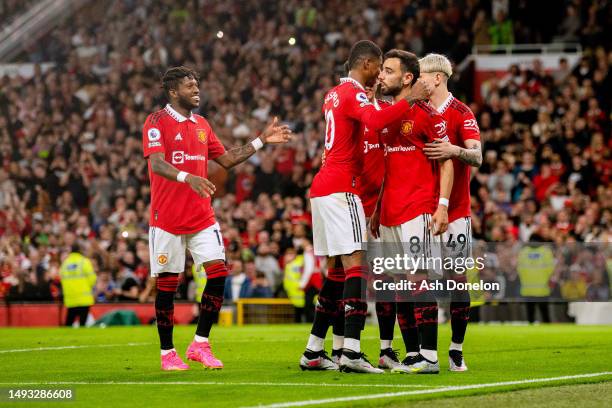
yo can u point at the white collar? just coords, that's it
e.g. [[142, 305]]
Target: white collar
[[442, 108], [353, 81], [177, 116]]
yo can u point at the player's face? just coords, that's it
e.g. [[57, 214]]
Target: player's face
[[431, 78], [391, 77], [188, 93], [372, 70]]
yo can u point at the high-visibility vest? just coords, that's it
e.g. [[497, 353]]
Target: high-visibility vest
[[199, 277], [78, 280], [535, 266], [477, 297], [291, 281]]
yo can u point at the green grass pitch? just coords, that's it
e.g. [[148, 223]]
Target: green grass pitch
[[116, 367]]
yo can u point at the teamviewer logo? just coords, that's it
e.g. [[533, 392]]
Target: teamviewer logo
[[178, 157]]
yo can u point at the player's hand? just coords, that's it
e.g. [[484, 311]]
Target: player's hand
[[420, 91], [371, 91], [275, 133], [375, 223], [440, 150], [439, 221], [203, 187]]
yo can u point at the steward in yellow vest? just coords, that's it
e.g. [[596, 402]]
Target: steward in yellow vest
[[78, 279]]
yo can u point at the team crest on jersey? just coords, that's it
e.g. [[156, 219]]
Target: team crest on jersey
[[406, 127], [162, 259], [202, 135]]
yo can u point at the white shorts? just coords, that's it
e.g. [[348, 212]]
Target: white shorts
[[457, 240], [338, 224], [167, 251], [414, 238]]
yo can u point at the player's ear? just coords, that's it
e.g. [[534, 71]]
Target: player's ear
[[407, 79]]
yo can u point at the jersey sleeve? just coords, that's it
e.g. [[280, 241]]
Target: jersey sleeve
[[468, 128], [215, 147], [152, 138], [357, 106]]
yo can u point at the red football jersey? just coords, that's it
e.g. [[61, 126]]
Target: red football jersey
[[347, 110], [371, 178], [188, 144], [461, 126], [411, 179]]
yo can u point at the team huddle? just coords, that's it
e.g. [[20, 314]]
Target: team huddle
[[396, 172]]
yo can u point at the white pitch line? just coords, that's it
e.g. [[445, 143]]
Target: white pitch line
[[429, 391], [74, 347], [265, 384]]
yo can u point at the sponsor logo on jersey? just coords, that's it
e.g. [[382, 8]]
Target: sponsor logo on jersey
[[395, 149], [369, 146], [406, 127], [162, 259], [153, 134], [202, 135], [179, 157], [440, 128], [178, 136], [471, 124]]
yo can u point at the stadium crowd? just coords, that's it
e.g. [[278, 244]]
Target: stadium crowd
[[72, 170]]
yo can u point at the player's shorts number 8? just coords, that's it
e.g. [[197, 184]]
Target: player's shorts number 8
[[330, 129]]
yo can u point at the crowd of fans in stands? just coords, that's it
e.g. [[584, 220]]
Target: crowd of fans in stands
[[71, 165]]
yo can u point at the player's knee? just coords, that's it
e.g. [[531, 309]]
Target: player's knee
[[335, 274], [216, 269], [167, 282]]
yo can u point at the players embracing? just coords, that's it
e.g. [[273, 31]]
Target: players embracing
[[339, 224]]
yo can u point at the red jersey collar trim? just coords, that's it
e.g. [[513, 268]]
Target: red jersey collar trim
[[446, 103], [353, 81], [177, 116]]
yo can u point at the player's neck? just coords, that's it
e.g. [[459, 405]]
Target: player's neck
[[438, 98], [185, 112], [357, 77], [402, 94]]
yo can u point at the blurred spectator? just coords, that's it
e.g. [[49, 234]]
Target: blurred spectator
[[71, 167], [237, 285]]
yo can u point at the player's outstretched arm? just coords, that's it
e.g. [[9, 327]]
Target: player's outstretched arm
[[375, 119], [471, 154], [440, 217], [274, 134], [161, 167]]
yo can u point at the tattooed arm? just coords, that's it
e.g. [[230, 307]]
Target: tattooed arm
[[440, 150], [236, 156], [472, 154]]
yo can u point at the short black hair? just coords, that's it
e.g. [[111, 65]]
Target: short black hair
[[408, 62], [174, 75], [360, 50]]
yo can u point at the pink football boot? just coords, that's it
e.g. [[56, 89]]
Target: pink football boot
[[202, 353], [172, 362]]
